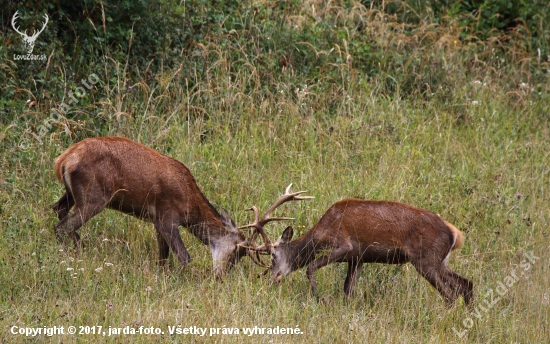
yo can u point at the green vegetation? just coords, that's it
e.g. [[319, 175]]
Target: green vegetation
[[376, 100]]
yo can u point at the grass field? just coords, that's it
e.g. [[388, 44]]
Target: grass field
[[477, 153]]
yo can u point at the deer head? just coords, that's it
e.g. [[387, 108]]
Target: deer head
[[29, 40], [259, 224]]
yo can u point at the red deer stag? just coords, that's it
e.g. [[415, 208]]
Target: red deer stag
[[116, 173], [357, 231]]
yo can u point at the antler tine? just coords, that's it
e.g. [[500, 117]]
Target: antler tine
[[258, 261], [287, 197], [259, 228], [35, 33], [260, 223], [46, 23], [13, 20], [256, 256], [256, 218]]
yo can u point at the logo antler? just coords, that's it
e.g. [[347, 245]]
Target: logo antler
[[29, 40]]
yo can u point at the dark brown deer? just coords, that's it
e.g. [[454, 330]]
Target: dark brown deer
[[120, 174], [358, 231]]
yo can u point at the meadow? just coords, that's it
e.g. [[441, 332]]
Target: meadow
[[453, 125]]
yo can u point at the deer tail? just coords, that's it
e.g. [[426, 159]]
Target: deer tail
[[61, 163], [58, 167], [457, 235]]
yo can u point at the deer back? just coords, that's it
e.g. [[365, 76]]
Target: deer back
[[385, 225], [139, 180]]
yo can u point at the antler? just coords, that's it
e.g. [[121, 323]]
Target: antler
[[13, 20], [35, 34], [259, 224]]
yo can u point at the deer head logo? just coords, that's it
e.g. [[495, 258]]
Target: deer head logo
[[29, 40]]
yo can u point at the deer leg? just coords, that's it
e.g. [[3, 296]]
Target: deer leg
[[354, 268], [86, 200], [69, 224], [171, 236], [460, 285], [316, 264], [63, 206], [435, 275], [164, 249], [336, 255]]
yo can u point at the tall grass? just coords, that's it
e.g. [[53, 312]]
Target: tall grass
[[448, 125]]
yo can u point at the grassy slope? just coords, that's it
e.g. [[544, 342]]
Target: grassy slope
[[463, 160]]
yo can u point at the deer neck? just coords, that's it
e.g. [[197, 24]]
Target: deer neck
[[204, 221], [304, 249]]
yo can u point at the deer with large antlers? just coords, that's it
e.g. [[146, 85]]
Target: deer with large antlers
[[29, 40], [358, 231], [120, 174], [259, 224]]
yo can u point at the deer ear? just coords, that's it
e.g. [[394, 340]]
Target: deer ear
[[227, 222], [287, 234]]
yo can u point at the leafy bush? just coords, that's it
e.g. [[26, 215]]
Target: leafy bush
[[482, 18], [83, 36], [412, 49]]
